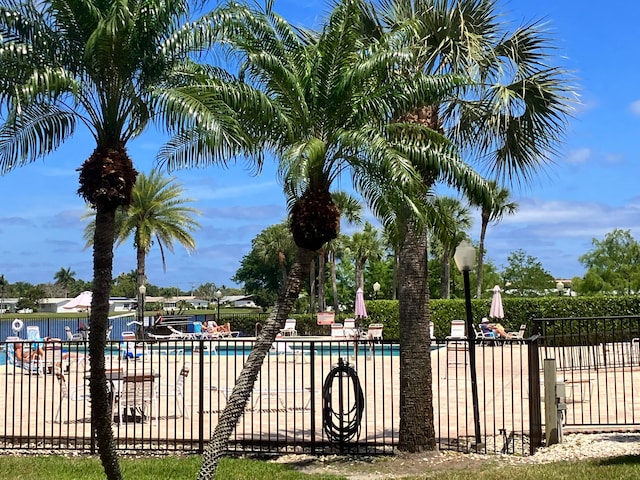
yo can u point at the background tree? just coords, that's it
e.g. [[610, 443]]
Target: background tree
[[613, 264], [364, 246], [507, 118], [454, 219], [324, 113], [526, 275], [97, 65], [158, 214], [275, 245], [65, 278], [498, 205]]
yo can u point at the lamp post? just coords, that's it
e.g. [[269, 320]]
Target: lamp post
[[560, 288], [218, 297], [142, 290], [465, 258], [376, 289]]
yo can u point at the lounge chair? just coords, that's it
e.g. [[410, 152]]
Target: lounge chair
[[131, 348], [289, 327], [374, 333], [486, 338], [337, 331], [519, 335], [350, 330], [32, 366], [432, 335], [458, 330]]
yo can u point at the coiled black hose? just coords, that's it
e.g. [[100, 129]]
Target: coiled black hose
[[342, 425]]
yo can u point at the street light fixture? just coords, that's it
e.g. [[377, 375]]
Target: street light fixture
[[218, 295], [142, 290], [560, 288], [465, 258], [376, 289]]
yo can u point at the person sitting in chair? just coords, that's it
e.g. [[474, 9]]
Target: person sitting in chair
[[27, 356], [493, 329]]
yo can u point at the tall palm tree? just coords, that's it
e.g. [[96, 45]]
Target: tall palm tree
[[364, 246], [351, 211], [455, 219], [327, 102], [65, 277], [498, 206], [97, 65], [507, 121], [273, 244], [158, 214]]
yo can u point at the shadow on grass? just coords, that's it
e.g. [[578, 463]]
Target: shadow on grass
[[622, 460]]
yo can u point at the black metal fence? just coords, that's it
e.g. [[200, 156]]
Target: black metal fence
[[598, 359], [313, 395]]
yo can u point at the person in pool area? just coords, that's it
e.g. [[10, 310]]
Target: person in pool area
[[27, 356], [493, 329]]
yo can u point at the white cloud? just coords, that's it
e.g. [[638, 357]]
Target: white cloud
[[635, 107], [581, 155]]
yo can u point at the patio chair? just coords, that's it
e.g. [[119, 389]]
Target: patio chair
[[79, 394], [289, 327], [137, 394], [177, 390]]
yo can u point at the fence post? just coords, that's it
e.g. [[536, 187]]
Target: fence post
[[535, 410], [201, 399], [550, 409]]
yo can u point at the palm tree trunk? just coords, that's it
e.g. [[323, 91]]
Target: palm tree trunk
[[322, 262], [312, 286], [445, 275], [101, 414], [141, 258], [483, 232], [239, 397], [417, 432], [334, 283]]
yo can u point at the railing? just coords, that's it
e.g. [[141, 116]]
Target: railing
[[313, 395], [598, 359]]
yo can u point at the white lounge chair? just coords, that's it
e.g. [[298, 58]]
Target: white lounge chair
[[177, 390], [458, 330], [374, 332], [337, 331], [289, 327], [350, 330]]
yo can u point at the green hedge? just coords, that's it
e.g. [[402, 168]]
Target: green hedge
[[517, 311]]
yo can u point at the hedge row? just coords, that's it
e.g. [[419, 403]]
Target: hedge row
[[517, 311]]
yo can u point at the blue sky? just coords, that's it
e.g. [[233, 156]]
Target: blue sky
[[591, 189]]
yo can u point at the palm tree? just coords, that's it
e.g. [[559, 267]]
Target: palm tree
[[364, 246], [99, 65], [455, 219], [158, 211], [508, 119], [351, 211], [65, 277], [273, 245], [500, 204], [325, 111]]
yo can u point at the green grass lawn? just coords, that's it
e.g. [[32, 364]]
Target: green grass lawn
[[178, 468]]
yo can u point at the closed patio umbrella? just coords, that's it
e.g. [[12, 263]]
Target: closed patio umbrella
[[496, 311], [360, 310]]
